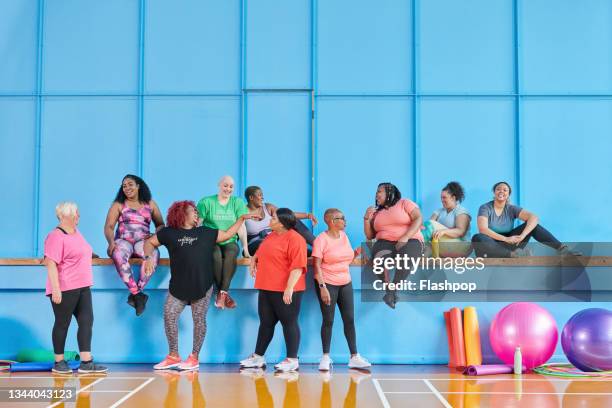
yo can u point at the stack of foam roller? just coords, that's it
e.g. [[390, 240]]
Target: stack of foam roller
[[463, 337]]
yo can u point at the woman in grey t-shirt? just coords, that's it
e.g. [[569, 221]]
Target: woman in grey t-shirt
[[498, 238]]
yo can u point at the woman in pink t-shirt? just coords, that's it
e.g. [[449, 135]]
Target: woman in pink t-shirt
[[332, 255], [68, 261], [395, 223]]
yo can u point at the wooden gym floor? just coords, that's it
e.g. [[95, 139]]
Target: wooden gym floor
[[136, 385]]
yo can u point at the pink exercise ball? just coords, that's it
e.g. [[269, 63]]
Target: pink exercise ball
[[525, 325]]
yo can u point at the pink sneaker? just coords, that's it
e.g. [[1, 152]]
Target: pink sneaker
[[192, 363], [169, 362]]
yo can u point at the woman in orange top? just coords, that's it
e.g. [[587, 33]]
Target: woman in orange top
[[279, 269], [396, 223]]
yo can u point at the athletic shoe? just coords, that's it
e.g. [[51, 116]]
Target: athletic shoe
[[131, 301], [221, 297], [192, 363], [254, 373], [288, 364], [88, 367], [141, 300], [169, 362], [359, 362], [390, 299], [565, 251], [253, 361], [325, 363], [229, 302], [61, 367]]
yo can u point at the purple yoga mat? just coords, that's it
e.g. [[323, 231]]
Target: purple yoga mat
[[489, 369]]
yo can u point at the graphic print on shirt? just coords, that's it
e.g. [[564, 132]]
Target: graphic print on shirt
[[187, 240]]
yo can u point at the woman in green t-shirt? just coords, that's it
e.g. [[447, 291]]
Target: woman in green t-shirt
[[220, 211]]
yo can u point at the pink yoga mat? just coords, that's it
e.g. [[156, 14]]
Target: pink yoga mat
[[489, 369]]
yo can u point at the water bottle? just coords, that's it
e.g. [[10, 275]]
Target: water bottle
[[435, 248], [518, 361]]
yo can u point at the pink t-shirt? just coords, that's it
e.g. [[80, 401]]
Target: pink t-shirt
[[393, 222], [336, 255], [72, 254]]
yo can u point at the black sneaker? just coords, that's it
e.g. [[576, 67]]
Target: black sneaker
[[390, 299], [131, 301], [61, 367], [87, 367], [141, 300]]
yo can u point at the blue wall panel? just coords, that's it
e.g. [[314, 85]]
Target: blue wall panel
[[18, 46], [91, 46], [190, 143], [88, 145], [565, 46], [474, 145], [567, 146], [278, 148], [192, 46], [352, 161], [278, 44], [364, 46], [17, 141], [460, 51]]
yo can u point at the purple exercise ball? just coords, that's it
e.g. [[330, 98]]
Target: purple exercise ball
[[587, 340]]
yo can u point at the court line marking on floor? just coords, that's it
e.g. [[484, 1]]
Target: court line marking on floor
[[62, 401], [134, 391], [73, 377], [381, 394], [501, 393], [437, 394], [478, 378]]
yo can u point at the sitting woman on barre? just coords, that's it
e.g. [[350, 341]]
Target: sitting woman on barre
[[498, 238]]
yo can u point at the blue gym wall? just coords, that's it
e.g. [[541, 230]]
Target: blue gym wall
[[415, 92]]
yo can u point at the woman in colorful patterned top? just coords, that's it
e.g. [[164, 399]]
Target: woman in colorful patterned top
[[133, 210]]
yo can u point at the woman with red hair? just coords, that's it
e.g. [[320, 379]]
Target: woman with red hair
[[191, 275]]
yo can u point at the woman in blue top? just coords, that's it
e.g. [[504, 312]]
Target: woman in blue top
[[499, 239]]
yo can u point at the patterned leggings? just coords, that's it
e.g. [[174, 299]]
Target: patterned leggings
[[121, 257], [173, 309]]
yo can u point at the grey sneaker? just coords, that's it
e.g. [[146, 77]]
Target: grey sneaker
[[87, 367], [61, 367]]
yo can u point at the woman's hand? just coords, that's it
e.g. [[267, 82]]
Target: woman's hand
[[148, 267], [253, 267], [287, 296], [439, 234], [111, 248], [369, 213], [56, 296], [251, 216], [400, 244], [514, 239], [312, 218], [325, 296]]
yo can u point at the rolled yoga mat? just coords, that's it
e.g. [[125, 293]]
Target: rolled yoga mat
[[471, 334], [489, 369], [457, 333], [43, 356], [452, 360], [39, 366]]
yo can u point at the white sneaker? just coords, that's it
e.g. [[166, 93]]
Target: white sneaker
[[325, 363], [253, 361], [288, 364], [358, 362]]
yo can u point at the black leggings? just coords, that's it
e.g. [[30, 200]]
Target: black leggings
[[300, 227], [224, 258], [484, 245], [272, 309], [75, 302], [343, 297], [385, 249]]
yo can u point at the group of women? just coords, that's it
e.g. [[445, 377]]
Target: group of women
[[201, 241]]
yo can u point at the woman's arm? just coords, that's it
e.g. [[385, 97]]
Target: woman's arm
[[532, 221], [233, 230], [462, 225], [56, 293], [158, 219], [307, 216], [271, 208], [368, 223], [483, 228], [109, 226], [242, 236], [318, 275], [294, 276], [149, 246], [415, 225]]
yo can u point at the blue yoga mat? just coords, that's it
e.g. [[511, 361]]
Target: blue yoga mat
[[39, 366]]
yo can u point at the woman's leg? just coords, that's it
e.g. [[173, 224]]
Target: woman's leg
[[267, 321], [347, 311], [383, 249], [328, 315], [485, 246], [63, 315], [413, 249], [172, 310], [198, 312], [218, 266], [304, 231], [229, 253], [540, 234], [139, 250], [288, 316], [121, 258], [83, 312]]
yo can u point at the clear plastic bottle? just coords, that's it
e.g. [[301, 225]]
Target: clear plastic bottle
[[518, 361]]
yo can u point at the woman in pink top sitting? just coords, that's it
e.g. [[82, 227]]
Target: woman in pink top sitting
[[332, 255], [68, 261], [396, 223]]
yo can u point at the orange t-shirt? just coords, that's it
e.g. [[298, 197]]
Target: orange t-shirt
[[277, 256], [393, 222]]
